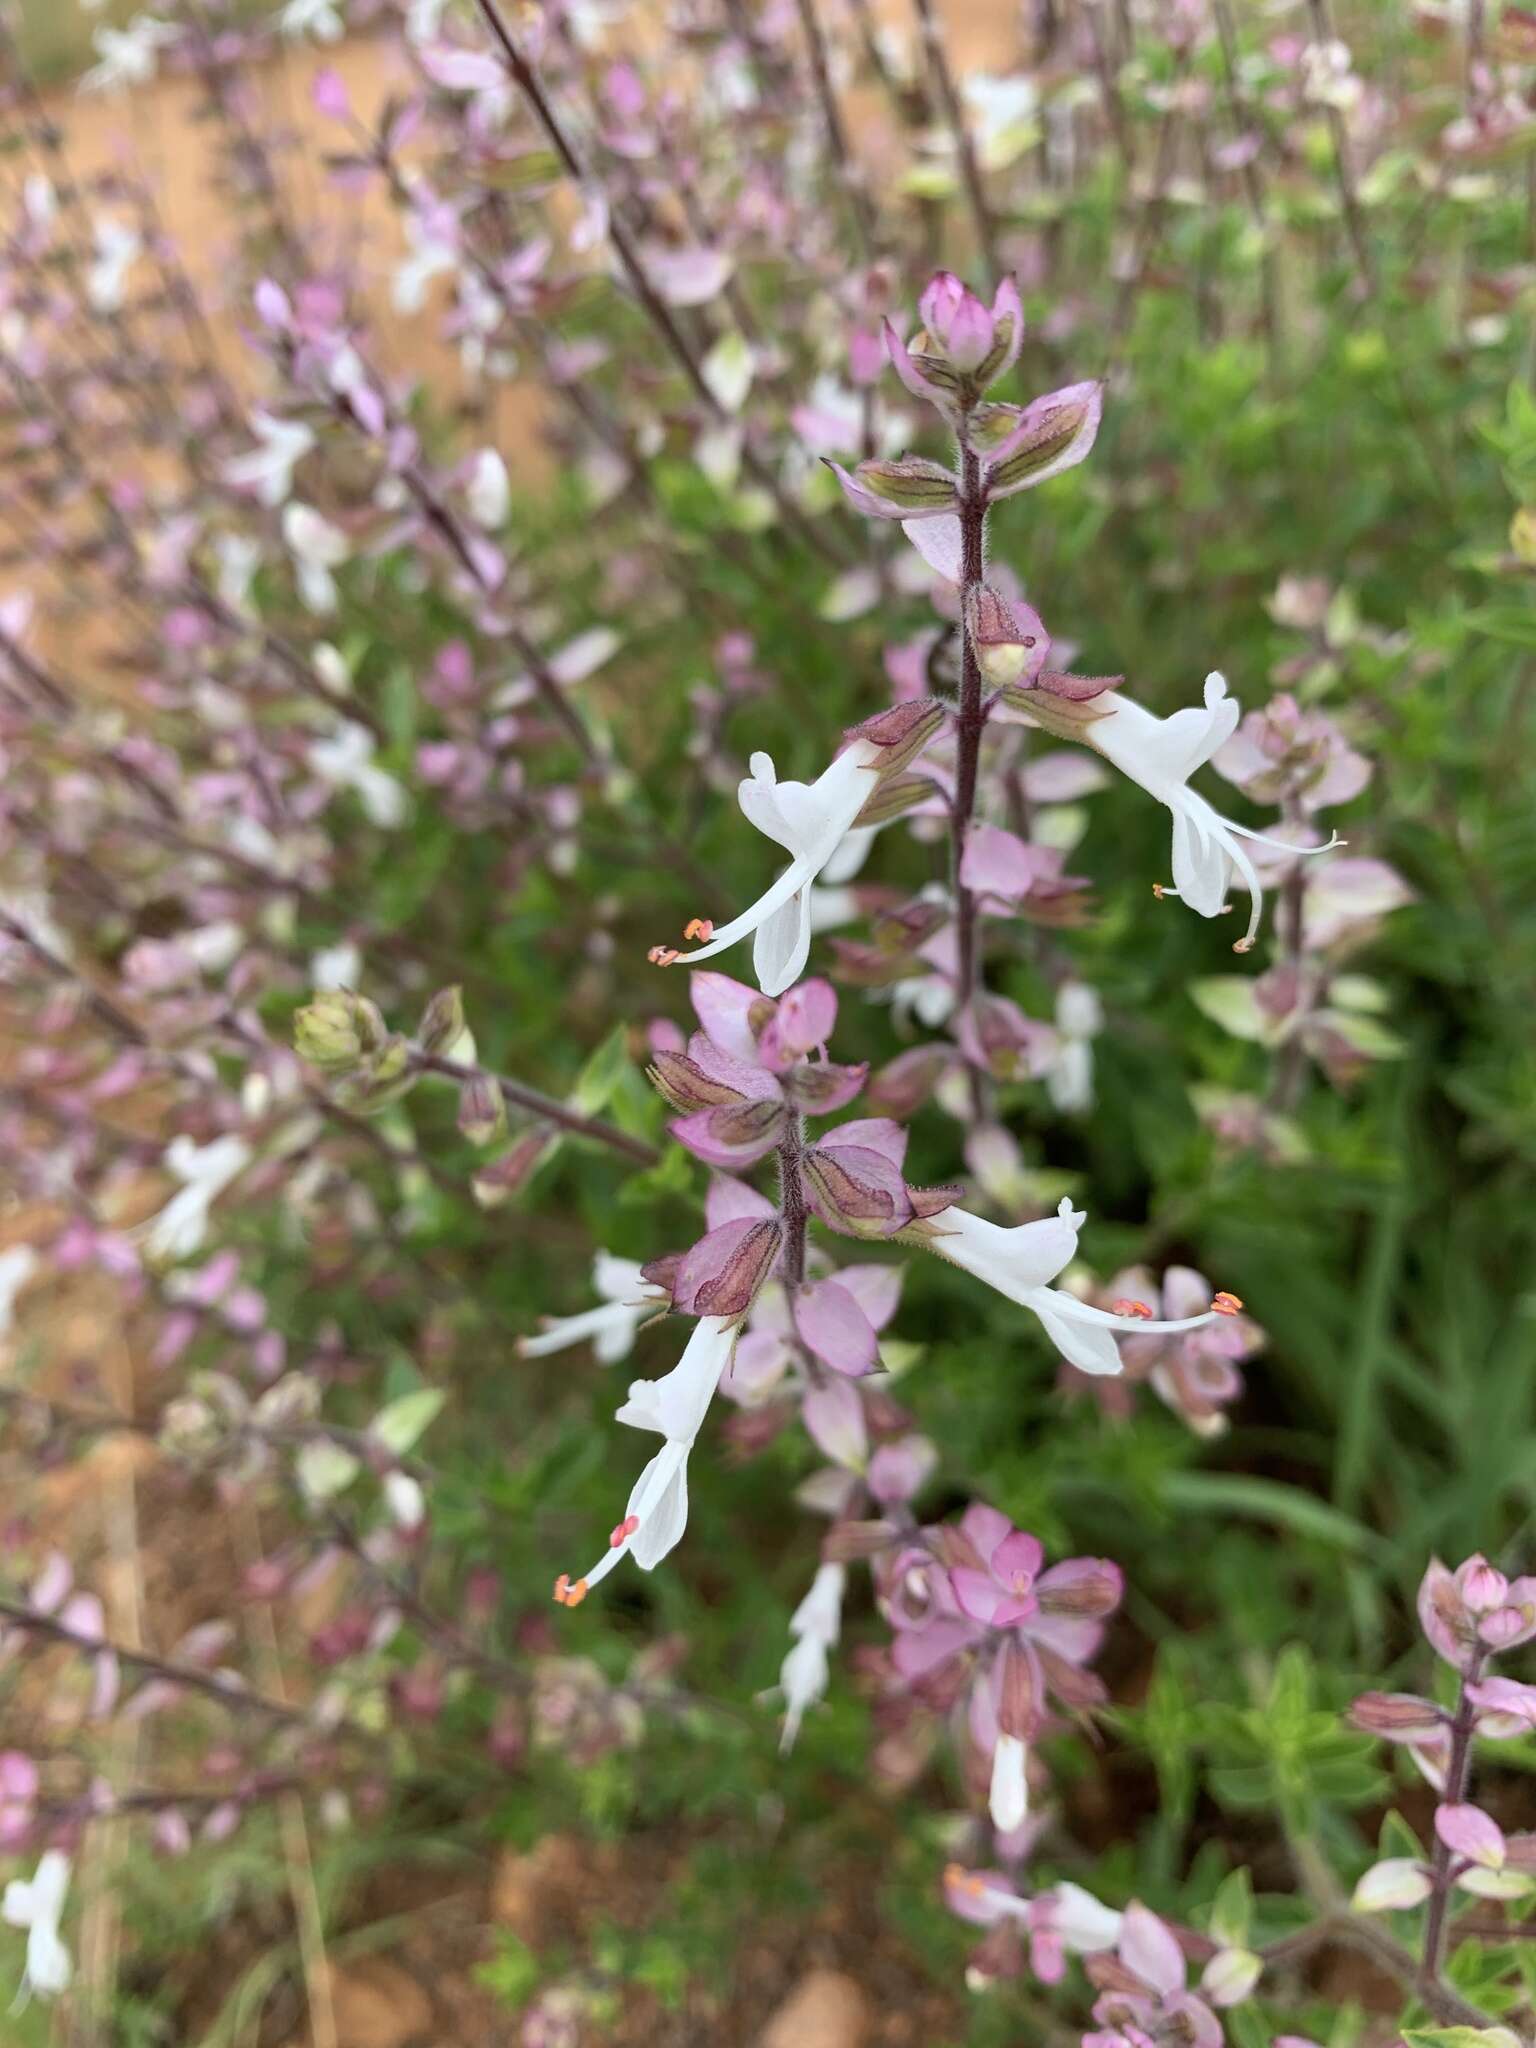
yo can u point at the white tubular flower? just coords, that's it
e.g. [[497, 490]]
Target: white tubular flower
[[322, 19], [1021, 1261], [118, 248], [17, 1265], [1161, 754], [39, 1907], [267, 469], [317, 547], [815, 1625], [1008, 1796], [179, 1229], [810, 820], [127, 56], [1079, 1016], [656, 1513], [489, 490], [345, 760], [628, 1299]]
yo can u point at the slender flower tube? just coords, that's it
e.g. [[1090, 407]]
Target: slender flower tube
[[810, 820], [656, 1513], [815, 1626], [1022, 1261], [627, 1300], [1161, 754]]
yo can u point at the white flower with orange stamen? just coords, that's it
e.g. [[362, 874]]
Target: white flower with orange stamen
[[1161, 754], [674, 1406], [1022, 1261], [811, 821]]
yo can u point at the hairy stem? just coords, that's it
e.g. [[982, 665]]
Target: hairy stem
[[792, 1202], [972, 720], [543, 1106], [1457, 1773]]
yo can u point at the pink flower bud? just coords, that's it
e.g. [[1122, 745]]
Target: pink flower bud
[[1397, 1716], [1482, 1588]]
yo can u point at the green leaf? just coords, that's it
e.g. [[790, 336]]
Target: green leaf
[[1268, 1500], [1460, 2037], [398, 1425], [1232, 1910], [1229, 1000], [1513, 623], [598, 1079]]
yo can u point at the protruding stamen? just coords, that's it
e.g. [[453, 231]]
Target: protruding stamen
[[1242, 945], [567, 1595], [662, 956], [700, 928], [1160, 890], [1125, 1307], [1225, 1304], [624, 1531]]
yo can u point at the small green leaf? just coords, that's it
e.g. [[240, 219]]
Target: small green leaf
[[399, 1425], [601, 1075]]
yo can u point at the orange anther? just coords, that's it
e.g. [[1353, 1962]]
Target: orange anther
[[1159, 890], [1226, 1304], [662, 956], [699, 928], [953, 1872], [568, 1595], [1242, 945], [1130, 1308], [624, 1531]]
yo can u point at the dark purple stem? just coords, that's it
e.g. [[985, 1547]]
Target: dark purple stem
[[1457, 1773], [792, 1202]]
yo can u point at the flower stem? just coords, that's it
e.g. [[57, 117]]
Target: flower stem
[[972, 719], [1458, 1771], [542, 1106], [792, 1202]]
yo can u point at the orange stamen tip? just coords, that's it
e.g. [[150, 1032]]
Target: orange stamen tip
[[1242, 945], [1131, 1308], [953, 1872], [624, 1531], [662, 956], [1159, 890], [567, 1595], [1226, 1304], [699, 928]]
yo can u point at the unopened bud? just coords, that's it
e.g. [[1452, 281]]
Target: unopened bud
[[442, 1022], [482, 1110], [338, 1031]]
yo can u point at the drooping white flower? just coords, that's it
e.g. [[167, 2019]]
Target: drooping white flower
[[268, 468], [656, 1513], [1161, 754], [317, 548], [17, 1265], [431, 255], [1008, 1794], [489, 490], [206, 1171], [810, 821], [815, 1625], [1079, 1015], [628, 1299], [345, 760], [238, 558], [118, 248], [322, 19], [1020, 1262], [127, 56], [39, 1907]]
